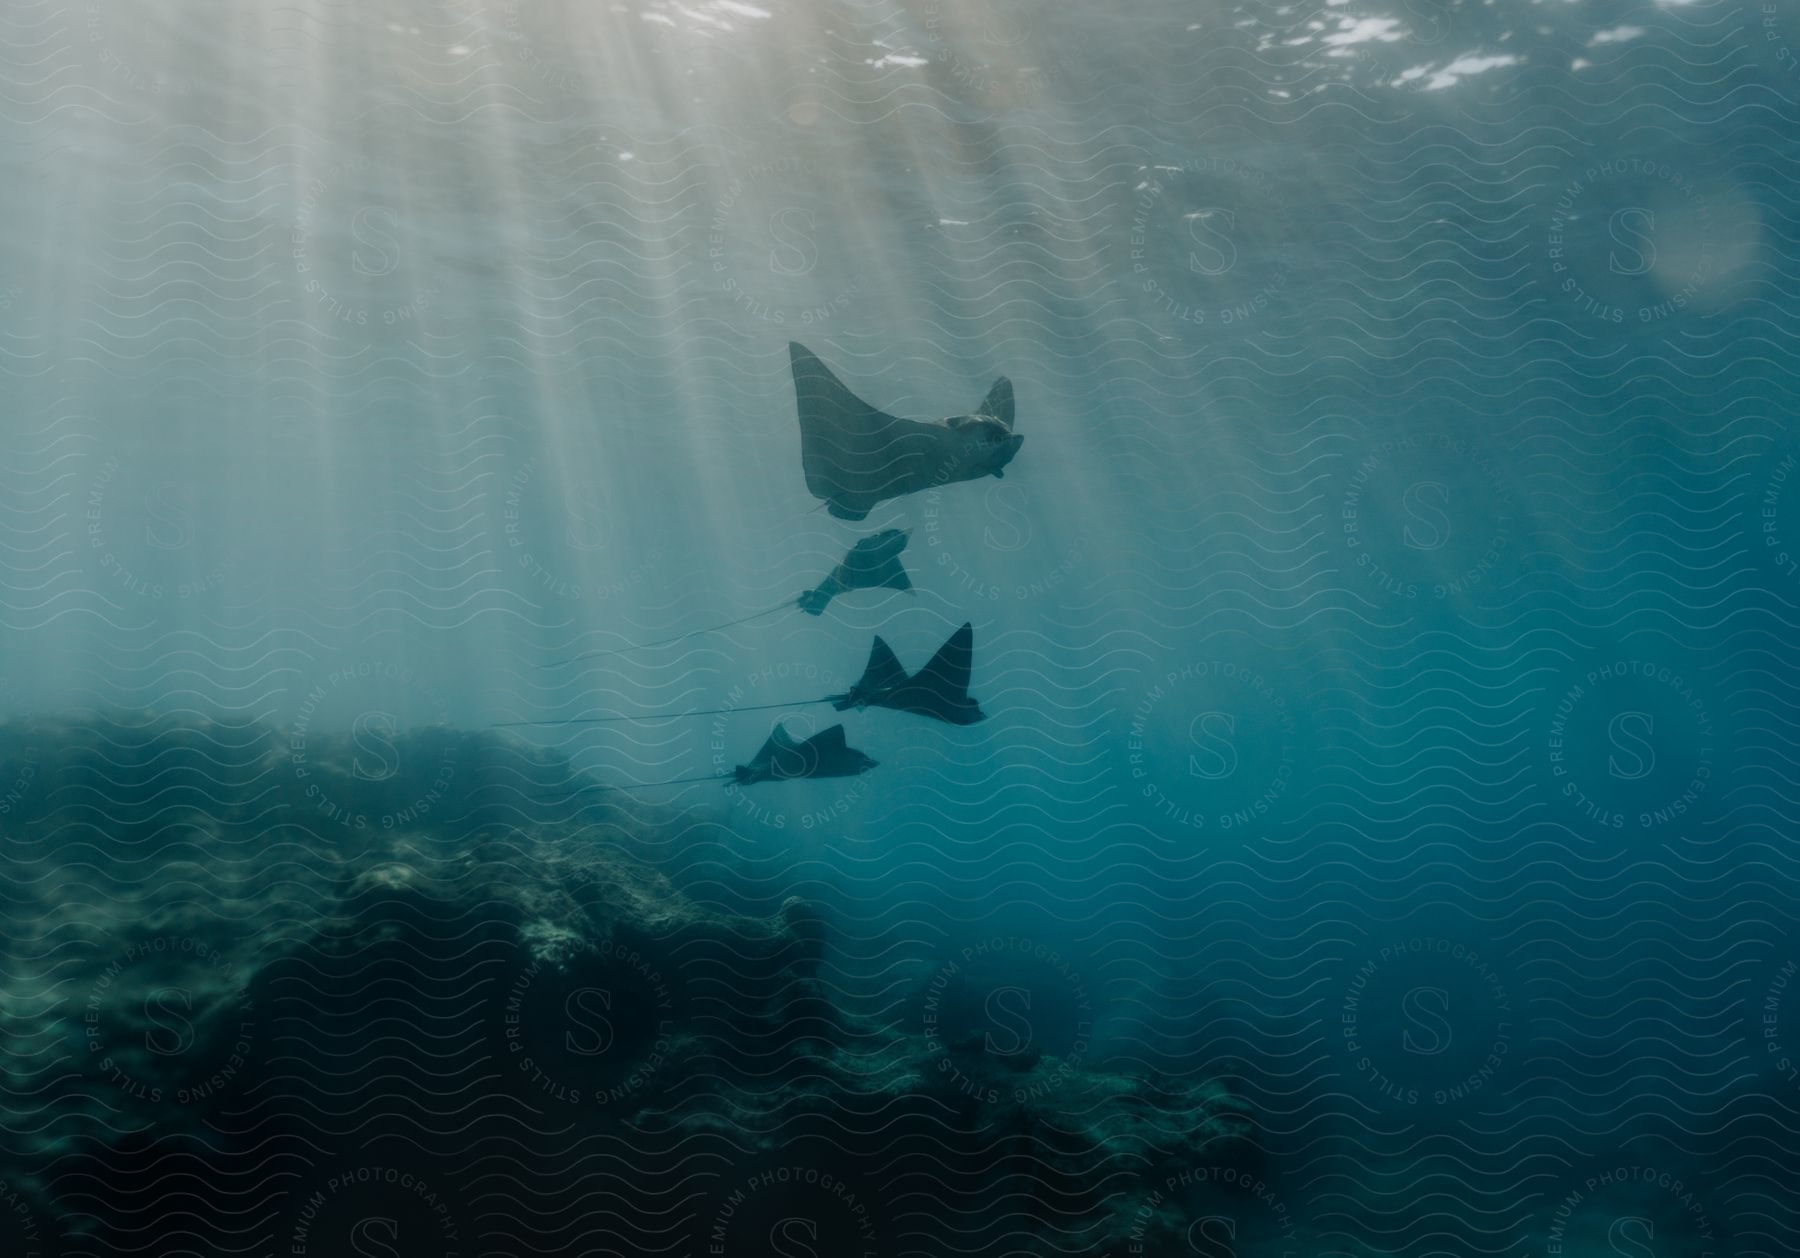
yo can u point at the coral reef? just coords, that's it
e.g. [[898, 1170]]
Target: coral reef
[[261, 991]]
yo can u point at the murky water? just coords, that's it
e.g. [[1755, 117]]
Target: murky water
[[1378, 838]]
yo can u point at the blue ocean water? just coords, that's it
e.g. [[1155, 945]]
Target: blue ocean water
[[1379, 841]]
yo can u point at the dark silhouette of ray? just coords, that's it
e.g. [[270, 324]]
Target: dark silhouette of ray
[[781, 758], [940, 690], [824, 755], [873, 563], [855, 456]]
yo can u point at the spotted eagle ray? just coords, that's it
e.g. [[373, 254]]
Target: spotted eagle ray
[[940, 690], [872, 564], [782, 758], [856, 456]]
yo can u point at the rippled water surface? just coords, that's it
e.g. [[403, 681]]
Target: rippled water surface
[[1380, 840]]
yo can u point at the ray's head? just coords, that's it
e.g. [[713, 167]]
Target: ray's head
[[987, 445]]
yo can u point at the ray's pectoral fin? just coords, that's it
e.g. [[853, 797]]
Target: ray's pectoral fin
[[998, 404], [824, 755], [884, 672], [777, 752], [882, 676], [834, 758], [941, 688], [851, 452], [890, 576], [948, 671]]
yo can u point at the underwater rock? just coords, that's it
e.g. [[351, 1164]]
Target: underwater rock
[[209, 973]]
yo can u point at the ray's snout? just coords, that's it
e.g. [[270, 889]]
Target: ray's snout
[[1000, 451]]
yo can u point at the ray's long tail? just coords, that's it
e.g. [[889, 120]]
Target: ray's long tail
[[642, 786], [680, 637], [666, 716]]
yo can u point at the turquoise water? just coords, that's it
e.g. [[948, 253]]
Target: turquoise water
[[1379, 839]]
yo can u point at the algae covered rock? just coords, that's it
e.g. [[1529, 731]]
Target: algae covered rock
[[491, 1021]]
